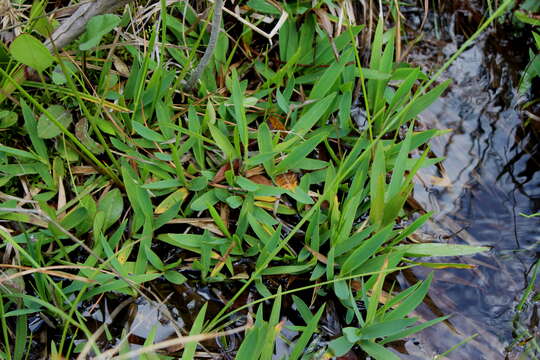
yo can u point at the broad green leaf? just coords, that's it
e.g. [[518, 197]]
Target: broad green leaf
[[342, 289], [413, 330], [138, 197], [46, 129], [376, 286], [374, 62], [353, 241], [147, 133], [383, 329], [7, 118], [17, 153], [395, 204], [146, 254], [378, 352], [302, 308], [288, 40], [190, 241], [74, 218], [268, 248], [325, 83], [307, 35], [400, 166], [252, 344], [402, 94], [96, 28], [310, 117], [223, 143], [264, 142], [197, 184], [247, 184], [340, 346], [29, 51], [268, 345], [438, 249], [365, 251], [203, 201], [263, 6], [112, 205], [424, 101], [374, 74], [298, 154], [300, 195], [527, 19], [385, 66], [234, 201], [21, 333], [287, 269], [174, 198], [175, 277], [163, 184], [411, 302]]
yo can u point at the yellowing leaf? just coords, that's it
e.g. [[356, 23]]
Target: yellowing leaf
[[287, 181], [175, 198], [124, 253], [268, 199]]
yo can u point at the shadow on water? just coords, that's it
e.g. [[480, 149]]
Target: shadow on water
[[490, 175]]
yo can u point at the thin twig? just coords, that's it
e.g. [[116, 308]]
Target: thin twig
[[165, 344], [216, 25]]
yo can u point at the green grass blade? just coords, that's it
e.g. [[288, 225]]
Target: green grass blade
[[377, 187], [411, 302], [308, 331], [365, 251], [311, 117], [189, 349], [378, 352], [239, 110]]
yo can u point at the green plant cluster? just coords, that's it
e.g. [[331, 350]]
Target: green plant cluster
[[106, 162]]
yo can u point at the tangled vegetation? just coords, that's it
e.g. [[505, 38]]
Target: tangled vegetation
[[131, 167]]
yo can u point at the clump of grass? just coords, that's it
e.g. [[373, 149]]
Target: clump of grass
[[263, 164]]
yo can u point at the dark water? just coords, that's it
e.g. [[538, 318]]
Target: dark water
[[489, 177]]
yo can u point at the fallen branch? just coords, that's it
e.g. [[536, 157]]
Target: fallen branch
[[70, 29], [216, 25], [76, 23]]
